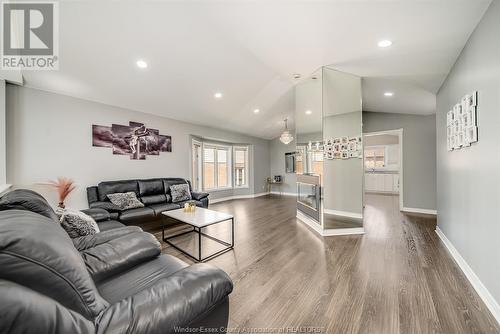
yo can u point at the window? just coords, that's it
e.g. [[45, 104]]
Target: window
[[375, 157], [216, 167], [241, 166]]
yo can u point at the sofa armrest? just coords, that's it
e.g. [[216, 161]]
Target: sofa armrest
[[97, 214], [27, 311], [89, 241], [174, 301], [117, 255], [198, 196], [108, 206]]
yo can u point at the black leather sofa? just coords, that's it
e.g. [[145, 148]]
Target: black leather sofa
[[115, 281], [154, 193]]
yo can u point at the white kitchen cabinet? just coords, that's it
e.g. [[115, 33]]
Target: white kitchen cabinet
[[381, 182]]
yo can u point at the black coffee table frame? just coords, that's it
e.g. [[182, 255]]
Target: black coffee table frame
[[198, 230]]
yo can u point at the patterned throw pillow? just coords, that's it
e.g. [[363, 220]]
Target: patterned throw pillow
[[180, 192], [77, 223], [125, 200]]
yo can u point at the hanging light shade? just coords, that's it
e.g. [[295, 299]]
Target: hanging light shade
[[286, 137]]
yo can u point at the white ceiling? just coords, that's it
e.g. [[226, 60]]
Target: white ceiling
[[249, 50]]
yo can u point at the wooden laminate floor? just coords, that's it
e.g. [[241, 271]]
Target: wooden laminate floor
[[397, 278]]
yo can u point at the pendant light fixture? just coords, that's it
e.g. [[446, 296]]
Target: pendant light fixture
[[286, 137]]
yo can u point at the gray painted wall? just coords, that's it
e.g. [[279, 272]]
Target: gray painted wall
[[419, 154], [3, 173], [277, 152], [469, 179], [343, 179], [50, 135]]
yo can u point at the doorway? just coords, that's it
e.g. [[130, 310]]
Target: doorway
[[383, 164]]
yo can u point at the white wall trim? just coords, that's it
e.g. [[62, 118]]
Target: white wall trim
[[4, 188], [229, 198], [422, 211], [328, 232], [343, 231], [476, 283], [283, 193], [314, 225], [343, 213]]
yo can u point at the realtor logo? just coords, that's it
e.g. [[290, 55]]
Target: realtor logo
[[29, 35]]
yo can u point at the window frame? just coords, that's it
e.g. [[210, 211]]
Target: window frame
[[375, 147], [229, 163], [245, 148]]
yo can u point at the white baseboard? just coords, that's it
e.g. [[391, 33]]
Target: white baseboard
[[343, 213], [283, 193], [229, 198], [481, 290], [422, 211], [316, 227], [343, 231], [313, 224]]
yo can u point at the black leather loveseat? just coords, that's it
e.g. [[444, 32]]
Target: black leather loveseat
[[153, 193], [115, 281]]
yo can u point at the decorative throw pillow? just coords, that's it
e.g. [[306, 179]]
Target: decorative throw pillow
[[77, 223], [125, 200], [180, 192]]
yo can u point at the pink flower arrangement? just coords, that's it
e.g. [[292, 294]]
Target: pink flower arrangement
[[64, 187]]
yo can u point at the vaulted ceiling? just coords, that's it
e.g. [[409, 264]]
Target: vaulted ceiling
[[248, 50]]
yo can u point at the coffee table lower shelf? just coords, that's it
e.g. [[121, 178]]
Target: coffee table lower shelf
[[198, 230]]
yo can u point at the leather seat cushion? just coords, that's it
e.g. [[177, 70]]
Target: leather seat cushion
[[151, 187], [159, 208], [112, 187], [139, 278], [136, 214], [109, 225], [154, 199]]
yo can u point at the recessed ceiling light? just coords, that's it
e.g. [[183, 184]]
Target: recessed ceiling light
[[388, 94], [384, 44], [141, 64], [256, 111], [218, 95], [296, 76], [308, 112]]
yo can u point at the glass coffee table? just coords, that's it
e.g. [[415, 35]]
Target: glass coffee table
[[199, 219]]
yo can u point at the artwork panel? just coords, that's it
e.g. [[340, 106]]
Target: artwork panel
[[471, 134], [150, 145], [122, 139], [102, 136], [135, 124], [165, 143]]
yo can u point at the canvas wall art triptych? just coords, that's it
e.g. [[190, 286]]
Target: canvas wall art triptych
[[134, 140], [343, 148], [461, 123]]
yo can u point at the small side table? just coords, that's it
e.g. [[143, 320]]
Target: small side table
[[270, 185]]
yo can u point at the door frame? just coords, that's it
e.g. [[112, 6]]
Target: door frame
[[199, 165], [399, 133]]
